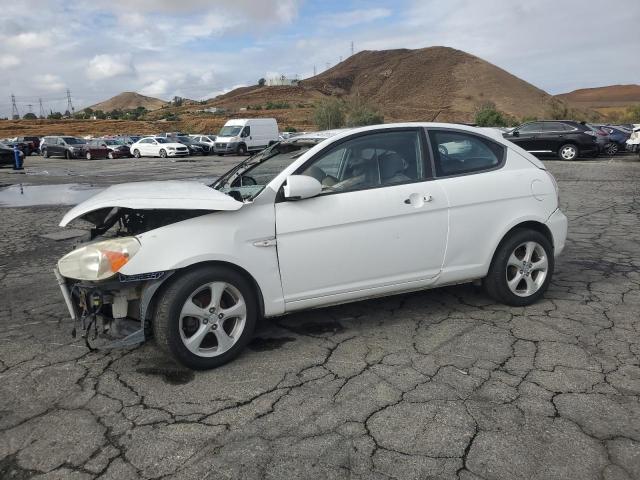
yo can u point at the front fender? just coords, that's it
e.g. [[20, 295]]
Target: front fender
[[226, 236]]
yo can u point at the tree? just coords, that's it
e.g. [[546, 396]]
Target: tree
[[329, 113], [633, 114], [177, 101], [359, 112], [291, 129], [262, 82], [54, 115], [30, 116], [487, 115]]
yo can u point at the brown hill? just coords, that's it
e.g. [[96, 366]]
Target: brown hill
[[129, 101], [436, 83], [604, 99]]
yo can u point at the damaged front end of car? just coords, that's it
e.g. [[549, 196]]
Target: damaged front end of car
[[109, 309]]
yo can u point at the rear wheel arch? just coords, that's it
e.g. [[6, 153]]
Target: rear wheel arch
[[527, 225]]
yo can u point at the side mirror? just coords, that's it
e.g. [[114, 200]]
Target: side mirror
[[301, 186], [515, 133]]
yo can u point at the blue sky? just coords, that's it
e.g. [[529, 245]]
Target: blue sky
[[200, 48]]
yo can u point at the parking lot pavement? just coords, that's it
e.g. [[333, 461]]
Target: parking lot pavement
[[437, 384]]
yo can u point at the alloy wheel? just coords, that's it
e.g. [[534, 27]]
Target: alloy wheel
[[612, 149], [527, 269], [568, 152], [212, 319]]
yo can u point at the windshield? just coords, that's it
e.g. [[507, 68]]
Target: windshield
[[74, 141], [229, 131], [184, 140], [112, 142], [247, 179]]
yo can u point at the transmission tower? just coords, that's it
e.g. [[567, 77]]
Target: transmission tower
[[41, 109], [314, 70], [351, 47], [69, 104], [30, 107], [14, 108]]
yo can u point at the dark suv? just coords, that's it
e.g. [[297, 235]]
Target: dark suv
[[566, 138], [68, 147]]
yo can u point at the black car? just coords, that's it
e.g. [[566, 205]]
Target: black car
[[567, 139], [68, 147], [7, 156], [195, 148], [24, 147]]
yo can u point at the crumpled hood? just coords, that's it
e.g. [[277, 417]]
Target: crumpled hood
[[169, 195]]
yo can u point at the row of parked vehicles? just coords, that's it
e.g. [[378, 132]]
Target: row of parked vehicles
[[569, 139]]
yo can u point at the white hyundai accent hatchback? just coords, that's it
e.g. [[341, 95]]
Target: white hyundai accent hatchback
[[317, 220]]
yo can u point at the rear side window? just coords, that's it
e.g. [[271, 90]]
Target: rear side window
[[457, 153], [556, 127], [531, 127]]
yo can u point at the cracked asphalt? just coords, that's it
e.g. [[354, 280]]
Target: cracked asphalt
[[439, 384]]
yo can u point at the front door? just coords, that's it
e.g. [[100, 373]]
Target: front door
[[529, 137], [379, 225]]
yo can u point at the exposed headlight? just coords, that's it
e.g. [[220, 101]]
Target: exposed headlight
[[99, 260]]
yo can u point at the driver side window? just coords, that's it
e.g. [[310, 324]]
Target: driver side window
[[369, 161]]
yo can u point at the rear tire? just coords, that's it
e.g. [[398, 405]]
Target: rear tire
[[88, 156], [191, 325], [45, 153], [521, 269], [67, 155], [568, 152], [612, 149], [110, 155]]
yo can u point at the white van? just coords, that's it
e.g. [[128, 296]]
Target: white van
[[246, 135]]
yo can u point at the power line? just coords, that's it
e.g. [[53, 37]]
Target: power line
[[70, 108], [14, 108]]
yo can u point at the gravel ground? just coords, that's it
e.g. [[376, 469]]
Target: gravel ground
[[438, 384]]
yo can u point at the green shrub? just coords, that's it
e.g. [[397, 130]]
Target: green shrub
[[487, 115], [360, 112], [329, 113]]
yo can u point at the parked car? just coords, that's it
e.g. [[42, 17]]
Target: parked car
[[68, 147], [617, 138], [565, 138], [7, 155], [158, 147], [242, 136], [633, 144], [24, 147], [208, 140], [602, 137], [33, 142], [195, 147], [96, 148], [367, 212], [117, 148]]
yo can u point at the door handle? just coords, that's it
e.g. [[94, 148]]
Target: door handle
[[417, 199]]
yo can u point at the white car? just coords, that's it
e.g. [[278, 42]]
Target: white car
[[318, 220], [208, 139], [158, 147]]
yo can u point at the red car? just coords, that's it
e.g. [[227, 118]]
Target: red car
[[96, 149]]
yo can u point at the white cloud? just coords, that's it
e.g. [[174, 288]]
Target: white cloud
[[355, 17], [9, 61], [109, 65], [28, 40], [48, 82], [155, 88]]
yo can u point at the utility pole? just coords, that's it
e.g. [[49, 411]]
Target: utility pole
[[314, 70], [351, 47], [14, 108], [41, 109], [69, 104]]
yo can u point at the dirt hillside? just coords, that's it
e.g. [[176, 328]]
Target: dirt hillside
[[604, 99], [436, 83], [129, 101]]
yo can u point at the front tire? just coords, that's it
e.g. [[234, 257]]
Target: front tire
[[568, 152], [242, 150], [88, 156], [110, 155], [521, 269], [163, 153], [612, 149], [45, 153], [206, 317]]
